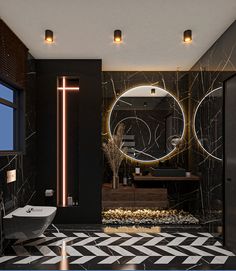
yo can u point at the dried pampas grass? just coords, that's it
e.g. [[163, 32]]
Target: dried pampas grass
[[112, 149]]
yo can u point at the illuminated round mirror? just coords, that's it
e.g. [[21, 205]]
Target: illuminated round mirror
[[153, 120], [208, 123]]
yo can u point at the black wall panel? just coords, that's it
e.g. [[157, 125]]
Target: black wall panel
[[89, 161], [230, 163]]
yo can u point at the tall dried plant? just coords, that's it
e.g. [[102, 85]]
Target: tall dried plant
[[112, 150]]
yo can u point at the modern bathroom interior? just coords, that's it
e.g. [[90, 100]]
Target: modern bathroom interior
[[117, 136]]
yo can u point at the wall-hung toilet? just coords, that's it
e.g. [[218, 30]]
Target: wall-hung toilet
[[28, 222]]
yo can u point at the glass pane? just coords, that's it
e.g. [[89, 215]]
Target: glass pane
[[6, 93], [6, 124]]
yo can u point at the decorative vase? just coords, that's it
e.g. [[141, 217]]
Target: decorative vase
[[125, 181], [115, 181]]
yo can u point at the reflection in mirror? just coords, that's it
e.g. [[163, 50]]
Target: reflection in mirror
[[208, 123], [154, 122]]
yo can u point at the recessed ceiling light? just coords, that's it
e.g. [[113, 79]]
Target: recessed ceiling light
[[187, 37], [49, 36], [117, 36]]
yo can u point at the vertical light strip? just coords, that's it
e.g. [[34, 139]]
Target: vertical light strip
[[64, 141], [58, 147]]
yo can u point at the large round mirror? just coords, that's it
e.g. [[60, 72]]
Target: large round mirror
[[208, 123], [153, 120]]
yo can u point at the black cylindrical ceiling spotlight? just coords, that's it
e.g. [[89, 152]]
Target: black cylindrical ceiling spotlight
[[117, 36], [153, 91], [187, 38], [48, 36]]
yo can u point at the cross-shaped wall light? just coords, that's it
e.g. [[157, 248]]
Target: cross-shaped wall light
[[64, 89]]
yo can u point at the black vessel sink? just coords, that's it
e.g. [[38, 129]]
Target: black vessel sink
[[168, 172]]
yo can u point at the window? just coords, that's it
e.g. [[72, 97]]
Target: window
[[11, 120]]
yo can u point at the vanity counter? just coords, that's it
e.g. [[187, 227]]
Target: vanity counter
[[165, 178]]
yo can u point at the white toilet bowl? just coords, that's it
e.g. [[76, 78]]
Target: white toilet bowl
[[28, 222]]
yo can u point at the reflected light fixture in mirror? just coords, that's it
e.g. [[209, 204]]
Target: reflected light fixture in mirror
[[153, 91], [151, 119], [208, 132], [65, 86]]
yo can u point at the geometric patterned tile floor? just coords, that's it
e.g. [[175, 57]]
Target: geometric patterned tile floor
[[94, 249]]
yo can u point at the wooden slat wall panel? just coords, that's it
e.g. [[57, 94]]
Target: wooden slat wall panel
[[13, 57]]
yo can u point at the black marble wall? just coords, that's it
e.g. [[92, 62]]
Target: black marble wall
[[221, 56], [22, 191], [115, 83], [201, 162], [215, 66]]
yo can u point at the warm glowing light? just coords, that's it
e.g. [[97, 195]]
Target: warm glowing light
[[160, 90], [64, 264], [134, 229], [157, 216], [49, 40], [117, 36], [187, 40], [69, 88], [48, 36], [187, 37], [63, 250], [64, 142], [64, 89]]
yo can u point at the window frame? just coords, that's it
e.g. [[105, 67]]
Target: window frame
[[18, 106]]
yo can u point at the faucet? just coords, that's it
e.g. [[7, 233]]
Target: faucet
[[29, 210]]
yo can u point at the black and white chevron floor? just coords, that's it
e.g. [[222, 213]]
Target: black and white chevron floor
[[99, 250]]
